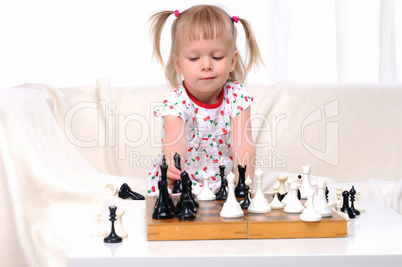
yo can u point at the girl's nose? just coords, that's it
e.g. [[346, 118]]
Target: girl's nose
[[206, 65]]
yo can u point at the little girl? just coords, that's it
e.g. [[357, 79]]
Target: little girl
[[206, 119]]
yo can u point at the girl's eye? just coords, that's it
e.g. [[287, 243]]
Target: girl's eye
[[217, 58], [193, 58]]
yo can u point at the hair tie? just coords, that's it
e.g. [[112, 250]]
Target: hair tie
[[176, 13], [235, 19]]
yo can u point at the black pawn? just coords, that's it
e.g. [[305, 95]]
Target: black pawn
[[352, 194], [112, 237], [346, 208], [240, 190], [246, 203], [126, 192], [164, 206], [177, 185], [222, 194], [186, 212]]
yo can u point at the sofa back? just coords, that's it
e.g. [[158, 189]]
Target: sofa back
[[348, 132]]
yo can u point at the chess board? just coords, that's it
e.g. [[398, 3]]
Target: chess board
[[209, 225]]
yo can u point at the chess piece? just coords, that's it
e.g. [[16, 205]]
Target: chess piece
[[111, 188], [112, 237], [294, 205], [282, 188], [119, 223], [306, 186], [259, 204], [186, 212], [314, 189], [276, 204], [177, 184], [126, 192], [164, 204], [338, 210], [231, 208], [192, 196], [222, 194], [289, 182], [357, 203], [97, 229], [320, 203], [240, 189], [345, 207], [246, 202], [179, 205], [352, 194], [206, 193], [310, 214]]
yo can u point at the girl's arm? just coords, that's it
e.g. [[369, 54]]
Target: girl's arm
[[174, 141], [243, 150]]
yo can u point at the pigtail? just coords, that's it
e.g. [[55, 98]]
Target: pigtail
[[158, 21], [254, 57]]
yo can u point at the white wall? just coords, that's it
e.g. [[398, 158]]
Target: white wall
[[68, 43]]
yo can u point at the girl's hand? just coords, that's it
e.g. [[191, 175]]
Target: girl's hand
[[172, 174]]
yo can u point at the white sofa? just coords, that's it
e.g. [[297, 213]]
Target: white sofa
[[60, 146]]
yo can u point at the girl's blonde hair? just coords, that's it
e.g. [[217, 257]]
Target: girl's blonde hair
[[207, 22]]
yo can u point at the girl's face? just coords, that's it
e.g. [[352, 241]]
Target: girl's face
[[205, 65]]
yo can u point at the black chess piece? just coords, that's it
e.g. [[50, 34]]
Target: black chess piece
[[246, 203], [179, 204], [222, 194], [112, 237], [298, 189], [187, 207], [164, 206], [352, 194], [240, 190], [177, 185], [346, 208], [282, 196], [126, 192]]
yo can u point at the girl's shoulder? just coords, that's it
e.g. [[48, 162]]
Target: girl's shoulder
[[237, 90]]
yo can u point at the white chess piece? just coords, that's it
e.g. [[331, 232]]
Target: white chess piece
[[338, 210], [313, 184], [320, 203], [231, 208], [282, 180], [275, 203], [119, 223], [310, 214], [97, 229], [111, 189], [294, 205], [206, 193], [357, 203], [306, 186], [259, 204], [289, 182]]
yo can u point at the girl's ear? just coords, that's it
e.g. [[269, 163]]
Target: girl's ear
[[234, 60], [177, 65]]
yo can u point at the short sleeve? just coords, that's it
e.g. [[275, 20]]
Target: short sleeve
[[174, 104], [238, 97]]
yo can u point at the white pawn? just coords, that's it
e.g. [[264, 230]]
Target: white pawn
[[206, 193], [294, 205], [259, 204], [276, 204], [357, 203], [321, 204], [310, 214], [119, 223], [285, 199], [306, 186], [313, 189], [282, 180], [97, 229], [231, 208]]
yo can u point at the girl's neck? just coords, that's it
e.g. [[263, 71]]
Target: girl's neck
[[206, 100]]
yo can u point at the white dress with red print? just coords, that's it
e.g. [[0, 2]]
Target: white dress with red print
[[208, 133]]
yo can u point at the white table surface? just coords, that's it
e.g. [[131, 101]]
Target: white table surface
[[374, 239]]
